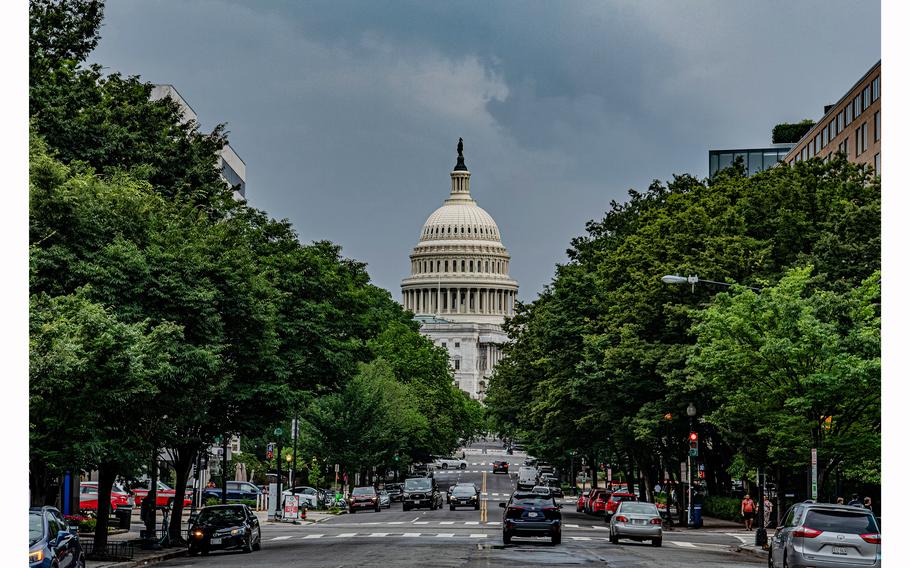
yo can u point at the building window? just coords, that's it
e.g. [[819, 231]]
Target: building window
[[840, 122], [457, 364], [848, 115], [462, 266], [865, 129], [824, 137], [878, 126], [875, 88], [457, 344], [857, 109], [444, 344], [818, 143], [846, 149], [878, 164], [791, 162], [858, 143], [804, 154], [867, 97]]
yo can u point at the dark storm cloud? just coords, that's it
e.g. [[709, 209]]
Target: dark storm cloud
[[347, 113]]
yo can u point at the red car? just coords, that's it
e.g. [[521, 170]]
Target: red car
[[615, 499], [582, 500], [164, 498], [88, 497], [597, 501]]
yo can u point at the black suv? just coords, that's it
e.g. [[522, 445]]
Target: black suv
[[421, 492]]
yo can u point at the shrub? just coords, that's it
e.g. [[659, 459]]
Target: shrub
[[790, 132], [212, 501], [726, 508]]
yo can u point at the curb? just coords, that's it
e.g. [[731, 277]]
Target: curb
[[151, 559], [751, 549]]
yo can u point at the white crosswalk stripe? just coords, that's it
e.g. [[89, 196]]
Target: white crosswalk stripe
[[478, 535], [409, 534], [580, 537], [377, 534], [314, 536], [447, 523], [683, 544], [445, 535], [281, 538]]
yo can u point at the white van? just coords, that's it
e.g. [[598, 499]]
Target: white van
[[527, 477]]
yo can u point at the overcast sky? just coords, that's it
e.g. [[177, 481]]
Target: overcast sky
[[347, 114]]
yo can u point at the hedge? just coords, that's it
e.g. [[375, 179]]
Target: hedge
[[727, 508]]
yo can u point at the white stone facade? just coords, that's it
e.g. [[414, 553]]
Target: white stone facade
[[459, 286]]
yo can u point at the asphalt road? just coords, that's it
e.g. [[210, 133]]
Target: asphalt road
[[468, 537]]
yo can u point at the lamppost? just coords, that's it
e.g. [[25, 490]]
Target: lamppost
[[690, 412], [693, 280], [761, 535]]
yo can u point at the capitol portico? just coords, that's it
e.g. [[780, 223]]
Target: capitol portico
[[459, 286]]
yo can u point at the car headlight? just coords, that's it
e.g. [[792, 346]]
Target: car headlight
[[197, 533], [36, 556], [235, 532]]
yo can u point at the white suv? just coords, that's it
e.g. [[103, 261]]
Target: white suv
[[450, 463]]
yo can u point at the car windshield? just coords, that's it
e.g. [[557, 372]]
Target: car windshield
[[618, 498], [35, 528], [221, 515], [639, 508], [848, 522], [363, 491], [412, 484], [463, 490], [532, 501]]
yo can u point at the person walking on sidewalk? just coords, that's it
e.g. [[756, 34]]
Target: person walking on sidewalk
[[867, 503], [854, 501], [768, 507], [747, 509], [840, 501]]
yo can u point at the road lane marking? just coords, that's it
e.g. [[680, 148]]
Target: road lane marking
[[571, 526], [282, 537], [478, 535], [493, 523], [410, 534], [416, 519], [397, 522], [314, 536], [420, 523], [447, 523], [472, 522], [683, 544], [345, 535], [374, 535], [580, 537], [445, 535]]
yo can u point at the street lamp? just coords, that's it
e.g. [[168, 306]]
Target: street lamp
[[690, 412], [693, 280]]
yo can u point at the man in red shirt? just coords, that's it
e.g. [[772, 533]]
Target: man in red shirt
[[747, 509]]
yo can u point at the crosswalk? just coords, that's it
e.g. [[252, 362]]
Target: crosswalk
[[464, 524], [473, 536]]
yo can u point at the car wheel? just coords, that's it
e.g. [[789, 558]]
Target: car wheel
[[506, 538], [451, 507], [657, 541], [204, 551], [258, 544], [786, 564], [477, 507], [464, 466], [193, 551], [405, 507], [378, 508], [556, 539], [353, 510], [248, 544], [81, 562], [614, 539], [445, 466]]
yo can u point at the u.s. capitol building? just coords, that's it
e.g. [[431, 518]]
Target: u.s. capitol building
[[459, 287]]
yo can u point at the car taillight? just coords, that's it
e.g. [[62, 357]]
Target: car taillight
[[514, 512], [622, 519], [872, 538], [806, 532], [657, 521]]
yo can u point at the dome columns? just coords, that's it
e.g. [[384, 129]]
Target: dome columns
[[468, 300]]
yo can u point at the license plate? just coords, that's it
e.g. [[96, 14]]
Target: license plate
[[532, 514], [216, 541], [841, 550], [638, 521]]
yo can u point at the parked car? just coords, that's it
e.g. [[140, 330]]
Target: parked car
[[363, 498], [51, 543], [531, 514], [819, 534], [636, 521], [224, 527], [464, 495], [450, 463], [544, 468], [309, 496], [385, 499], [165, 495], [121, 500], [236, 491], [527, 477], [395, 490], [616, 498], [501, 466], [580, 504], [421, 492]]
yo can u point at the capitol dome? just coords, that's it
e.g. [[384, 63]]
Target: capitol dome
[[459, 267]]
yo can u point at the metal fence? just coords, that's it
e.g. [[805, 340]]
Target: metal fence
[[112, 551]]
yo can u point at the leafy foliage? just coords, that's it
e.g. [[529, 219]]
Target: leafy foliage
[[790, 133]]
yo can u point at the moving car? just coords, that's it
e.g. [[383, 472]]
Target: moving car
[[542, 489], [51, 543], [553, 484], [164, 497], [450, 463], [421, 492], [824, 535], [527, 477], [385, 499], [395, 490], [363, 498], [224, 527], [636, 521], [464, 495], [501, 466], [616, 498], [531, 514]]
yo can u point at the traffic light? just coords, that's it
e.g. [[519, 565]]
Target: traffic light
[[269, 451], [693, 444]]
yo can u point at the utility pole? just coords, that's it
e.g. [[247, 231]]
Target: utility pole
[[761, 535], [295, 428], [224, 454]]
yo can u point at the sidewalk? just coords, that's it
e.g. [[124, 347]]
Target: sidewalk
[[140, 558], [708, 524]]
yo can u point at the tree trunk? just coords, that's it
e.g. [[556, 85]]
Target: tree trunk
[[183, 462], [106, 474]]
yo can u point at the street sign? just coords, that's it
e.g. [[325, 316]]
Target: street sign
[[609, 474], [295, 430], [683, 472], [336, 468], [279, 431], [814, 474], [291, 507]]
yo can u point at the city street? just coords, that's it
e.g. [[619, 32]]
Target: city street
[[467, 537]]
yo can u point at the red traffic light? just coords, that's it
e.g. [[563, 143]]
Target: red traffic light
[[693, 436]]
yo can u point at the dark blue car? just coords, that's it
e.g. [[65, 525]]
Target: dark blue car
[[51, 544]]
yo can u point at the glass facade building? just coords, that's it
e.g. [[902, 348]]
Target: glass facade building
[[754, 159]]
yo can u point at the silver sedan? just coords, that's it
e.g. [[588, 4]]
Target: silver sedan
[[636, 521], [385, 499]]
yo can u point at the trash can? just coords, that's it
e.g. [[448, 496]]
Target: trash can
[[696, 516], [124, 517]]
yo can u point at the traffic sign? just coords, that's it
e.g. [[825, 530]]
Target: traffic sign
[[814, 474], [279, 431]]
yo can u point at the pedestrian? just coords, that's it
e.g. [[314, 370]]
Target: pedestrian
[[768, 507], [867, 503], [747, 509], [854, 501], [840, 500], [210, 484]]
